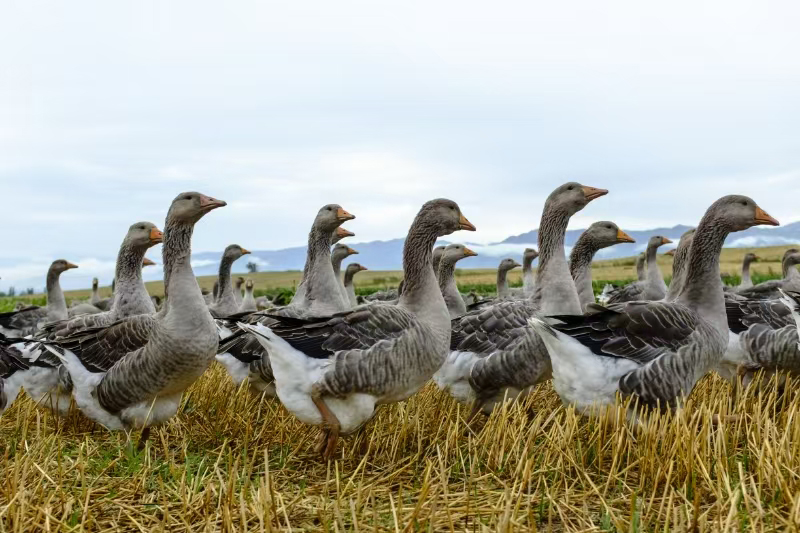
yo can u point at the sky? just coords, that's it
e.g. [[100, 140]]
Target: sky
[[108, 110]]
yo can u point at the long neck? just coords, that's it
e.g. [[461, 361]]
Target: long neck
[[527, 273], [580, 268], [180, 285], [226, 295], [56, 303], [449, 288], [746, 272], [421, 294], [679, 268], [502, 282], [336, 263], [641, 273], [789, 268], [95, 292], [654, 277], [555, 291], [702, 285], [320, 286], [131, 296]]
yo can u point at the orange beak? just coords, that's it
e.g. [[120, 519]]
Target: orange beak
[[664, 241], [343, 215], [671, 253], [624, 237], [763, 219], [245, 251], [71, 265], [342, 233], [465, 224], [156, 236], [351, 251], [469, 253], [362, 268], [590, 193], [208, 203], [146, 262]]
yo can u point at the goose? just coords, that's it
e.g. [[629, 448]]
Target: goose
[[453, 253], [506, 265], [249, 302], [317, 295], [335, 370], [215, 291], [351, 270], [598, 236], [338, 234], [436, 260], [653, 287], [132, 373], [28, 320], [83, 309], [43, 382], [226, 303], [641, 272], [528, 278], [338, 254], [747, 282], [237, 293], [494, 353], [679, 265], [790, 282], [654, 351], [100, 303]]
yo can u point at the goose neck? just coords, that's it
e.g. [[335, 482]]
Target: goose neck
[[56, 303], [555, 291]]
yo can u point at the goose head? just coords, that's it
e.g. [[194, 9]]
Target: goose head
[[330, 217], [189, 207], [354, 268], [751, 257], [456, 252], [530, 255], [507, 264], [340, 233], [340, 251], [572, 197], [737, 213], [444, 217], [605, 234], [95, 283], [248, 286], [62, 265], [142, 236], [234, 252]]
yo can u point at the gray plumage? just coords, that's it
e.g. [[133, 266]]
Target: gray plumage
[[505, 266], [351, 270], [436, 258], [447, 280], [598, 236], [653, 287], [679, 263], [747, 281], [641, 271], [248, 302], [528, 277], [226, 303], [790, 282], [338, 254]]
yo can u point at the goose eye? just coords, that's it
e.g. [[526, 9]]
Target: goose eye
[[569, 188]]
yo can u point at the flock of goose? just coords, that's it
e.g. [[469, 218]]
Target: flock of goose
[[331, 360]]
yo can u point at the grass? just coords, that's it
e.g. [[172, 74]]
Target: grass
[[232, 462]]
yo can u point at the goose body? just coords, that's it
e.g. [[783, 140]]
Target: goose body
[[655, 351], [226, 303], [772, 289], [598, 236], [351, 270]]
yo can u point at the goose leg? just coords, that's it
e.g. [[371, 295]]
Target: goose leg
[[322, 440], [330, 424], [143, 438]]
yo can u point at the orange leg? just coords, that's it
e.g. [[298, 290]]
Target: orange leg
[[330, 426]]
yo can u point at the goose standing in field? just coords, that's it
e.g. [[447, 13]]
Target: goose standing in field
[[132, 373], [45, 382], [528, 278], [334, 371], [679, 265], [655, 351], [453, 253], [747, 282], [654, 287], [506, 265], [338, 254], [598, 236], [494, 352], [790, 282], [28, 320], [317, 295], [300, 293], [351, 270], [249, 302], [227, 303]]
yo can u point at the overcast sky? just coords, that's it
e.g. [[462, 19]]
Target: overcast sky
[[109, 109]]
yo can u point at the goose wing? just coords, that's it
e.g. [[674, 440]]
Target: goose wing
[[24, 320], [629, 293], [765, 290], [100, 348], [745, 313], [11, 359], [491, 328]]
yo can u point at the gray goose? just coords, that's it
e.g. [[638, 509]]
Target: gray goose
[[237, 292], [505, 266], [28, 320], [641, 271], [338, 234], [747, 281], [248, 302], [351, 270], [679, 264], [790, 282], [528, 277], [132, 373], [317, 295], [334, 371], [436, 258], [96, 300], [227, 303], [598, 236], [494, 352], [453, 253], [45, 383], [653, 351], [338, 254], [654, 287]]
